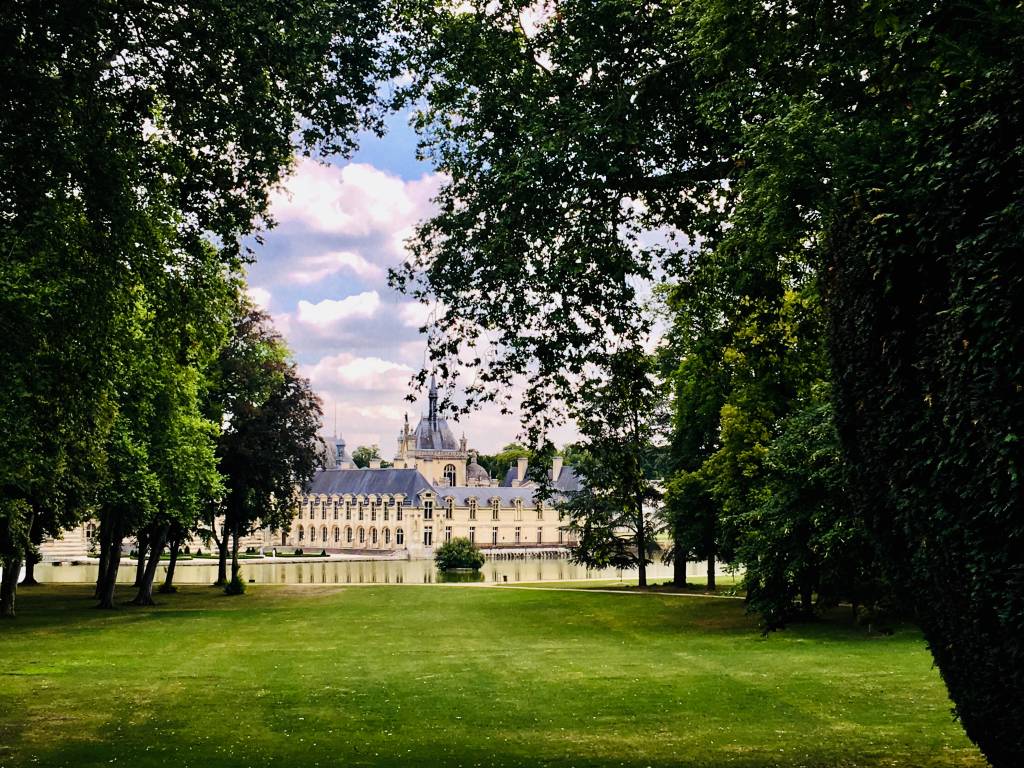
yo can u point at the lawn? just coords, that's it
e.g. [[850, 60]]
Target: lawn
[[458, 676]]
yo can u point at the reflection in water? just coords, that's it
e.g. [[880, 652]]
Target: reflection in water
[[360, 572]]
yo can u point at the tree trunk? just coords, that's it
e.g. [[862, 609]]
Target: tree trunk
[[678, 563], [140, 564], [156, 548], [113, 540], [222, 558], [9, 586], [807, 596], [712, 567], [641, 546], [31, 553], [168, 585], [30, 568], [234, 553], [104, 554]]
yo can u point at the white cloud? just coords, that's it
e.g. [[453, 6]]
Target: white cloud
[[260, 296], [413, 314], [329, 312], [348, 372], [316, 268], [356, 200]]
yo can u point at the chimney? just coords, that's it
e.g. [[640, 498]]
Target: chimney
[[374, 463], [556, 468], [521, 463]]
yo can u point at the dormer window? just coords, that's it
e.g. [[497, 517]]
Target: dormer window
[[472, 509], [450, 509], [495, 508], [428, 509]]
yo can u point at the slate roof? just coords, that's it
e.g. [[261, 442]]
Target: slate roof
[[436, 436], [407, 482], [567, 479], [484, 494]]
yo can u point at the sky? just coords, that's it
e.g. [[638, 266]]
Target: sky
[[322, 275]]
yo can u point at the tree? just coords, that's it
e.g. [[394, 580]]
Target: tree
[[269, 448], [924, 280], [866, 144], [612, 515], [364, 454], [458, 552], [127, 134]]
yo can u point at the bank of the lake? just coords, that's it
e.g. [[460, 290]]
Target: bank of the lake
[[355, 571], [412, 675]]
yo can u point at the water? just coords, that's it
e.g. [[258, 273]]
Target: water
[[364, 572]]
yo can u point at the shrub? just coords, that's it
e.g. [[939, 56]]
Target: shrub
[[199, 551], [323, 553], [299, 552], [458, 553], [187, 552], [236, 586]]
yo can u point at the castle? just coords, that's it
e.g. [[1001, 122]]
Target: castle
[[434, 491]]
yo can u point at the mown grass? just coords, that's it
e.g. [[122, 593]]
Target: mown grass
[[458, 676]]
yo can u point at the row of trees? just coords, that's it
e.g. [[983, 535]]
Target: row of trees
[[139, 146], [831, 192]]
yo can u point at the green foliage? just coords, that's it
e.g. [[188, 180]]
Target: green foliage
[[128, 137], [362, 456], [499, 464], [868, 149], [611, 516], [458, 552], [802, 546], [925, 286], [269, 445]]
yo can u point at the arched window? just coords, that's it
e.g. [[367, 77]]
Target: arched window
[[301, 533], [399, 537], [362, 536], [337, 534], [373, 536], [348, 535], [387, 535], [312, 533], [449, 474], [323, 534]]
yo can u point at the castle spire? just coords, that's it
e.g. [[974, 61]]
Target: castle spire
[[432, 413]]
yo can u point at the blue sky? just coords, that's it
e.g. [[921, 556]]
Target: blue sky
[[322, 275]]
